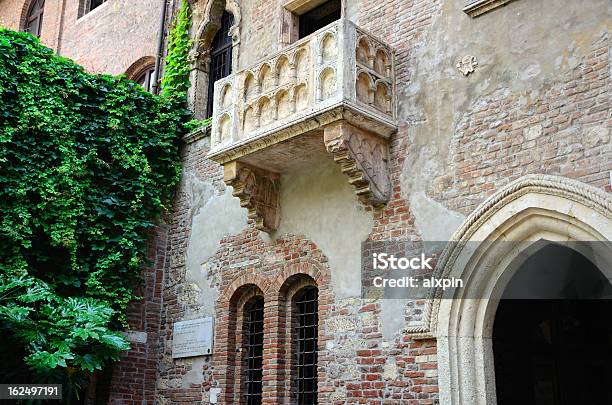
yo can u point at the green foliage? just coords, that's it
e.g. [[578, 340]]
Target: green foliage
[[86, 164], [175, 82], [195, 123]]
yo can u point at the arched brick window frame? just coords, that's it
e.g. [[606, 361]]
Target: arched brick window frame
[[26, 12], [140, 67], [292, 281], [229, 333]]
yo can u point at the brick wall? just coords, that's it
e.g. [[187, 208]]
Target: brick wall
[[109, 39], [113, 36]]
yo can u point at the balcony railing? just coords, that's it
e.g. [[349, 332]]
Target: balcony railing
[[337, 73]]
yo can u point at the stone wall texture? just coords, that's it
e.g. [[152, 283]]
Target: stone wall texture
[[109, 39], [537, 102]]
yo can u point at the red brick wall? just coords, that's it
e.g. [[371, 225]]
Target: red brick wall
[[109, 39], [134, 376], [113, 36], [13, 14]]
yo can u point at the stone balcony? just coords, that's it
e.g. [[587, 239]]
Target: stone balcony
[[332, 93]]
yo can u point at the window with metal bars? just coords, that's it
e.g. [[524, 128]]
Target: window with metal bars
[[34, 18], [220, 58], [253, 350], [306, 307]]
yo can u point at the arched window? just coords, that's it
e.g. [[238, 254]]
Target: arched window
[[305, 324], [34, 18], [145, 78], [253, 331], [221, 58]]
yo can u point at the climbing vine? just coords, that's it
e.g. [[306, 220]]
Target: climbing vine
[[175, 82], [87, 164]]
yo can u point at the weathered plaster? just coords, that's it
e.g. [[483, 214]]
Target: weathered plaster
[[212, 217], [522, 58], [322, 205]]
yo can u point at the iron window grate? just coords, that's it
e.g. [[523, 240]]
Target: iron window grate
[[220, 58], [306, 330], [253, 342]]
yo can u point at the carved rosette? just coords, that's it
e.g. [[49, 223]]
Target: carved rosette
[[363, 157], [258, 193]]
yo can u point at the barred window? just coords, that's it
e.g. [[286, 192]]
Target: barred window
[[306, 304], [34, 18], [220, 58], [253, 350]]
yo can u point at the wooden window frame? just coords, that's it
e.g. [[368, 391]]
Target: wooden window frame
[[35, 14], [290, 17]]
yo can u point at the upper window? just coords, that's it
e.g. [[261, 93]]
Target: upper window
[[306, 320], [319, 17], [88, 5], [34, 18], [220, 58], [145, 79]]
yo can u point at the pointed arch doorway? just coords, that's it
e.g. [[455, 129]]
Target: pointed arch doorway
[[534, 208]]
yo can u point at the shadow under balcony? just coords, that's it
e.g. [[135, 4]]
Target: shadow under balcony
[[330, 93]]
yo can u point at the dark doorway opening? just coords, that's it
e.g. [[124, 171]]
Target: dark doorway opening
[[554, 351], [319, 17]]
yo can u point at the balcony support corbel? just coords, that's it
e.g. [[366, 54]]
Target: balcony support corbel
[[363, 157], [258, 192]]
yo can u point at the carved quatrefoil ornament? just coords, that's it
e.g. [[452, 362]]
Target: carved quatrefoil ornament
[[467, 64]]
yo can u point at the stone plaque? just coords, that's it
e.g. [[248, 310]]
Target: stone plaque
[[192, 338]]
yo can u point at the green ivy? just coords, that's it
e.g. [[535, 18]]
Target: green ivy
[[87, 163], [175, 82]]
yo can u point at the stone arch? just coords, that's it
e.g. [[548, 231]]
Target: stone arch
[[284, 106], [25, 8], [267, 111], [527, 211], [251, 89], [138, 67], [228, 329], [247, 277], [382, 96], [199, 55], [292, 280], [328, 47], [382, 64], [364, 88], [363, 53], [265, 78], [210, 23], [327, 83]]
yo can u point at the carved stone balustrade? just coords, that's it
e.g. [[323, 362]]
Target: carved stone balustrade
[[332, 92]]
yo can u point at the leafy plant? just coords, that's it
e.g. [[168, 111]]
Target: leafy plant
[[87, 163], [194, 124], [175, 82]]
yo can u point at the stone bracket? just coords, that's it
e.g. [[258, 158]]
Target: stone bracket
[[258, 191], [363, 157]]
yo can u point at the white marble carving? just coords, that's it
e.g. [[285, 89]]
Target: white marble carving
[[339, 67]]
